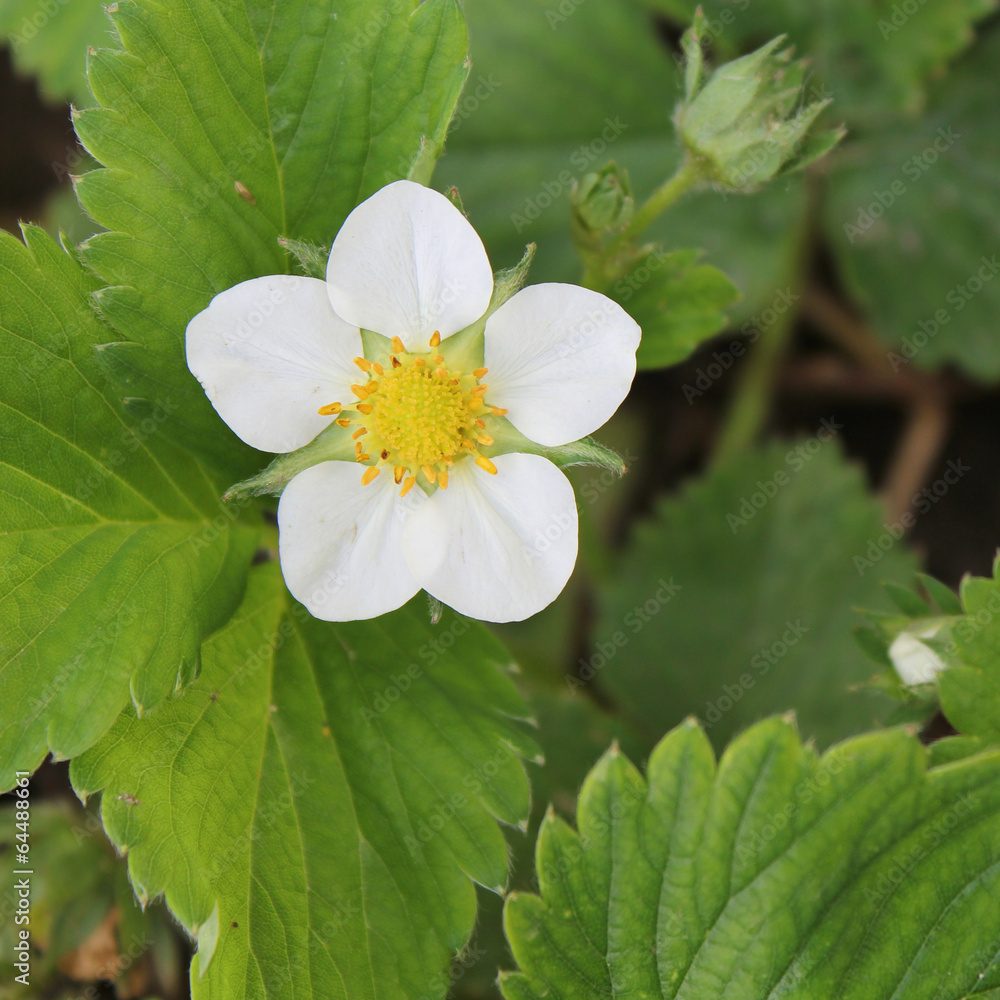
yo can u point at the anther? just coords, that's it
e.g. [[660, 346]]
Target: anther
[[363, 458], [485, 463], [364, 364], [408, 485], [443, 479], [360, 432], [359, 447], [498, 411], [480, 390], [372, 385], [398, 346], [360, 391], [475, 403], [369, 475], [481, 423], [485, 439], [365, 408], [436, 338], [329, 410], [344, 422], [384, 454], [480, 372], [439, 359], [378, 369], [428, 472], [398, 473], [396, 363]]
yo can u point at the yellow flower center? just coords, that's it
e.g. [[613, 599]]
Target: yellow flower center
[[421, 414], [419, 417]]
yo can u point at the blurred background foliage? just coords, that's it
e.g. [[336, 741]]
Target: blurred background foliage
[[723, 576]]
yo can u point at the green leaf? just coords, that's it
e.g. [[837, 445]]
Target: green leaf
[[316, 804], [49, 39], [678, 303], [736, 599], [970, 690], [116, 557], [913, 215], [224, 126], [860, 875], [874, 57]]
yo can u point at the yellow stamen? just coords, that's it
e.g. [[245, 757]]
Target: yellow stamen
[[475, 403], [428, 472], [364, 364], [398, 473], [398, 346], [408, 485], [498, 411], [370, 475], [360, 432], [480, 372], [345, 422], [359, 447], [384, 454], [443, 479], [363, 458], [480, 390], [466, 443], [485, 439], [360, 391], [372, 385], [329, 410], [485, 463], [365, 408], [436, 338], [439, 359], [396, 363], [481, 423], [378, 369]]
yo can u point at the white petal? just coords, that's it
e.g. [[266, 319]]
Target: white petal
[[340, 543], [407, 263], [915, 662], [269, 353], [561, 359], [498, 548]]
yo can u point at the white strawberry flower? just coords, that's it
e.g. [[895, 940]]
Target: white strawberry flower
[[388, 359]]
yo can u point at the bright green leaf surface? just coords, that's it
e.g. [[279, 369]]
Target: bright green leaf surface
[[316, 804], [913, 213], [859, 875], [112, 567], [768, 590], [874, 57], [49, 39], [970, 691]]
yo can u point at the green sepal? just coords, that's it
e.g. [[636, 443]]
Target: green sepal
[[507, 438], [332, 445], [311, 257]]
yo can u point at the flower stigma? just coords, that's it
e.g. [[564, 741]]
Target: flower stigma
[[418, 416]]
